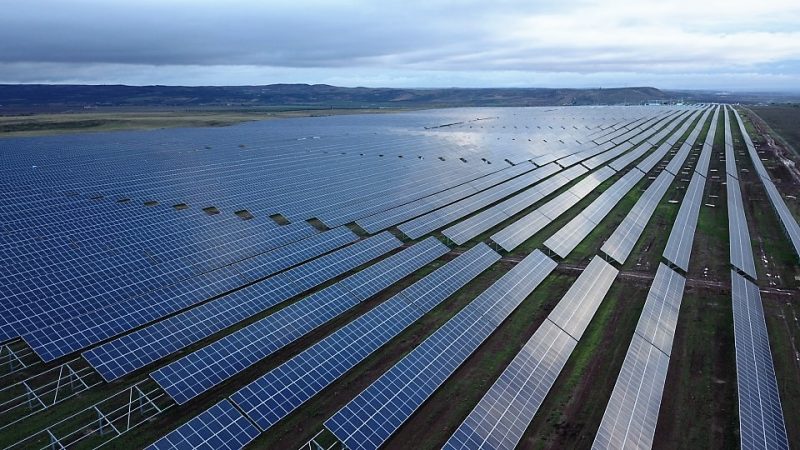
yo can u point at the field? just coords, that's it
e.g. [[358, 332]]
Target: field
[[361, 166], [122, 119], [783, 121]]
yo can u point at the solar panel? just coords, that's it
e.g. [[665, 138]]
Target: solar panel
[[576, 230], [705, 155], [559, 205], [71, 290], [142, 347], [632, 412], [730, 158], [738, 232], [579, 304], [605, 202], [603, 158], [679, 244], [677, 161], [219, 427], [520, 231], [591, 181], [563, 241], [279, 392], [790, 226], [504, 412], [652, 159], [383, 220], [621, 242], [199, 371], [660, 314], [625, 160], [375, 414], [761, 423]]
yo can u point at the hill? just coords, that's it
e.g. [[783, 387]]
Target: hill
[[55, 98]]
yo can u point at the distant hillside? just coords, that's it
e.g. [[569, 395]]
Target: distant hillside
[[70, 97]]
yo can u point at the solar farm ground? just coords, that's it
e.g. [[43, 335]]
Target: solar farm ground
[[700, 404]]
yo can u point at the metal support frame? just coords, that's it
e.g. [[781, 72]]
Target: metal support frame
[[15, 362]]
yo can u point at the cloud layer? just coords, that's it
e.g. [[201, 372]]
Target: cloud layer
[[674, 44]]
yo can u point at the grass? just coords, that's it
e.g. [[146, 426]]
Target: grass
[[784, 333], [784, 121], [699, 407]]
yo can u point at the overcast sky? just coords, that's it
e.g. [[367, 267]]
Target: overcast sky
[[692, 44]]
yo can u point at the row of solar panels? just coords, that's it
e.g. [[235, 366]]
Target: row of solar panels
[[785, 216], [507, 409], [741, 253], [761, 422], [632, 412]]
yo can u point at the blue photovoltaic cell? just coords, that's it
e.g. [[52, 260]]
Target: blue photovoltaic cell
[[199, 371], [369, 419], [219, 427], [279, 392]]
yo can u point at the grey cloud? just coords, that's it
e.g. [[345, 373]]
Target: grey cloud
[[431, 43]]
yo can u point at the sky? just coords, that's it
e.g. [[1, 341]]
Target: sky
[[671, 44]]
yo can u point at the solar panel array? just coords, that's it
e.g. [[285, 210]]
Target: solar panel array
[[524, 228], [761, 423], [375, 414], [279, 392], [787, 220], [201, 370], [124, 247], [504, 413], [740, 249], [220, 427]]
